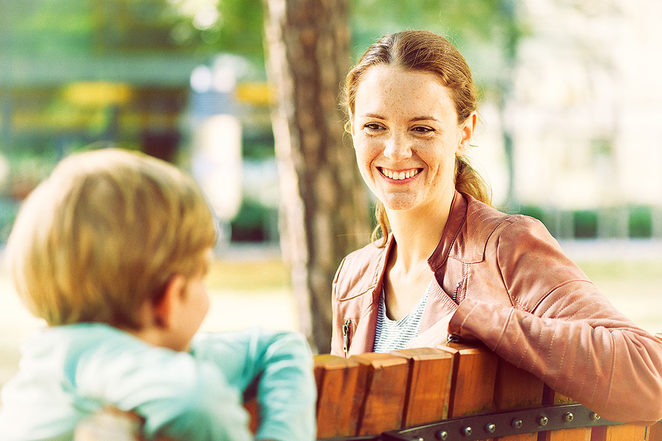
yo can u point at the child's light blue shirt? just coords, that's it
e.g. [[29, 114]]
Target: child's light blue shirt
[[69, 372]]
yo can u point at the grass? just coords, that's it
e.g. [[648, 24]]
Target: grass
[[248, 276], [634, 287]]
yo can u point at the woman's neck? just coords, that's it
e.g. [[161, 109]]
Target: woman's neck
[[418, 232]]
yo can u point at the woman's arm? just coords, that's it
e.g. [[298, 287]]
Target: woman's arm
[[564, 331]]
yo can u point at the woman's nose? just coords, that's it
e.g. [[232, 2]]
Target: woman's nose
[[397, 148]]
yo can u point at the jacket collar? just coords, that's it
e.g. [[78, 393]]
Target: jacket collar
[[454, 223], [460, 226]]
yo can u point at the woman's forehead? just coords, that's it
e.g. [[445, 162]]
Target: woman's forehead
[[387, 88]]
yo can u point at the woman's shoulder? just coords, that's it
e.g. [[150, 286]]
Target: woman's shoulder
[[486, 227], [360, 270], [485, 220]]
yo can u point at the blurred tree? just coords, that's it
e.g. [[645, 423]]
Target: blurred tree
[[324, 209]]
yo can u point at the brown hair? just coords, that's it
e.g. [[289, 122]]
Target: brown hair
[[425, 51], [104, 233]]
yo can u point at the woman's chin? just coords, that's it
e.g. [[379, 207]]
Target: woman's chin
[[399, 203]]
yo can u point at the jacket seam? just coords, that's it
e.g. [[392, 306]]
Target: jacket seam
[[369, 289], [611, 368], [548, 293]]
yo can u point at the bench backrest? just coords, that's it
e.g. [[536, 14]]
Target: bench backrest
[[372, 393]]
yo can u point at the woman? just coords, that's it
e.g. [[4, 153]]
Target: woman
[[449, 263]]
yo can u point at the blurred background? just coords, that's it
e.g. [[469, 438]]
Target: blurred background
[[570, 126]]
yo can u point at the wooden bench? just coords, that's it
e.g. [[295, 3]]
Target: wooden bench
[[458, 392]]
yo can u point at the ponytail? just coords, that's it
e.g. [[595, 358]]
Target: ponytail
[[468, 181]]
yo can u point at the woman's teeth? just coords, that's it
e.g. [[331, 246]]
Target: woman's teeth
[[399, 175]]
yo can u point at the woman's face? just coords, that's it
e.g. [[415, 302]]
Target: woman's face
[[406, 137]]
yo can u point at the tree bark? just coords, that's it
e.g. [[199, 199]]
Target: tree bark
[[324, 208]]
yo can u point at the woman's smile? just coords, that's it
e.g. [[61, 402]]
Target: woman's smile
[[399, 176]]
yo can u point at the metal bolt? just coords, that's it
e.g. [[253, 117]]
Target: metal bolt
[[594, 416], [490, 428], [467, 431], [543, 420], [517, 423], [568, 417], [442, 435], [418, 438]]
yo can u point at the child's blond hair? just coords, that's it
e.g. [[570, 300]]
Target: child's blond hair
[[103, 234]]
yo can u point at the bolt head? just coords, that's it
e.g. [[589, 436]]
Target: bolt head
[[594, 416], [467, 431], [543, 420], [517, 423], [442, 435], [490, 428], [568, 417]]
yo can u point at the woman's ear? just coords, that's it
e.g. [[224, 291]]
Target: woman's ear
[[466, 132], [166, 309]]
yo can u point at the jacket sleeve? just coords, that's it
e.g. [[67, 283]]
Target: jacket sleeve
[[281, 364], [178, 396], [563, 330]]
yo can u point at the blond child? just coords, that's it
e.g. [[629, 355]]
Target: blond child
[[111, 251]]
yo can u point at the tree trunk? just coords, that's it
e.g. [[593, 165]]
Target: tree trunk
[[324, 209]]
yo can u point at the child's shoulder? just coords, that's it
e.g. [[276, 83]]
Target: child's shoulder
[[69, 346]]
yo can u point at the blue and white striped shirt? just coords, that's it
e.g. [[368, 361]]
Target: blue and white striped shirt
[[391, 335]]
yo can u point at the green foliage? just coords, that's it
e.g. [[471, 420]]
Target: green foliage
[[252, 222], [257, 145], [485, 31], [585, 224], [8, 211], [640, 222], [50, 27], [241, 28]]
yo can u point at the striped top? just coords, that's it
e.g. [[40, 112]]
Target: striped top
[[391, 335]]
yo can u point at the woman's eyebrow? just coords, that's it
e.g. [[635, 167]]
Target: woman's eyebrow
[[424, 118], [372, 115]]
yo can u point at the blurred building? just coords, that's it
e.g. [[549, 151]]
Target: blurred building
[[586, 117]]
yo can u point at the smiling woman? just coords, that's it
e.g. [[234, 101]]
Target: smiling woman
[[448, 264], [406, 136]]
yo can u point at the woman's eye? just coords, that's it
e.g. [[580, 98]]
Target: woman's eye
[[373, 127], [423, 129]]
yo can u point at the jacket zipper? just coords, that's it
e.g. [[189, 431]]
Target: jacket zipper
[[345, 336]]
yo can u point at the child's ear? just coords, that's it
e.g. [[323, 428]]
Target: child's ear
[[166, 308]]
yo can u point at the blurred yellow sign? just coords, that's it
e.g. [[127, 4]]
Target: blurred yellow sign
[[97, 93], [258, 93]]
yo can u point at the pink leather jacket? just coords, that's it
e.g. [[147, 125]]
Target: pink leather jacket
[[504, 280]]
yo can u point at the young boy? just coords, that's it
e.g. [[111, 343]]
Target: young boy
[[111, 250]]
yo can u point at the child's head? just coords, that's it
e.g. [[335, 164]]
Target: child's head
[[104, 235]]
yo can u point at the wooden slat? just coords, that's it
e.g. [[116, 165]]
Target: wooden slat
[[429, 384], [251, 408], [384, 379], [338, 400], [655, 432], [514, 389], [473, 380], [580, 434], [626, 432]]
